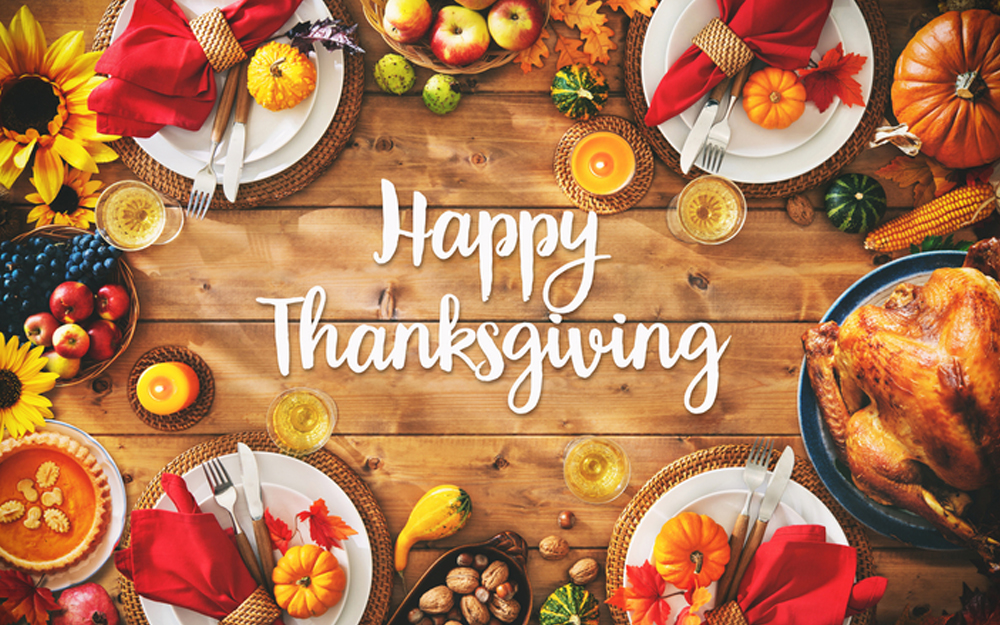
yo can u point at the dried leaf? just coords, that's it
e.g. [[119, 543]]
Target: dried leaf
[[598, 44], [584, 16], [280, 533], [642, 599], [632, 6], [325, 529], [24, 599], [928, 178], [833, 76], [333, 34], [557, 9], [569, 51], [978, 607], [533, 56]]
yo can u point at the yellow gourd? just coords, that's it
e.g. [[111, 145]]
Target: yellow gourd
[[280, 76], [308, 581], [442, 511]]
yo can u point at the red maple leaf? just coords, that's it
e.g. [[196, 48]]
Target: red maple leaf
[[325, 529], [643, 598], [833, 76], [280, 533], [25, 599]]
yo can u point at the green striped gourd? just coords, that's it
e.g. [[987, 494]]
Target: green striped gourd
[[579, 91], [855, 202]]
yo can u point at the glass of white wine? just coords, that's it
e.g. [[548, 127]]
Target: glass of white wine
[[709, 210], [596, 469], [132, 215], [300, 420]]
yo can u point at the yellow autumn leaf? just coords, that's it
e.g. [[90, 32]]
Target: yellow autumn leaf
[[569, 51], [557, 9], [583, 15], [533, 56], [598, 44], [630, 7]]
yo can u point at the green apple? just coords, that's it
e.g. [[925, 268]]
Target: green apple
[[441, 94]]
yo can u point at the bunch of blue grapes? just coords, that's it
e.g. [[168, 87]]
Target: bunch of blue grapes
[[31, 269]]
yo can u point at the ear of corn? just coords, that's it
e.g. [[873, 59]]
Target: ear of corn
[[944, 215]]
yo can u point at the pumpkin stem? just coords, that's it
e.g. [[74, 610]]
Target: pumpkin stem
[[699, 561], [583, 93], [970, 85], [304, 581], [275, 67], [575, 619], [775, 97]]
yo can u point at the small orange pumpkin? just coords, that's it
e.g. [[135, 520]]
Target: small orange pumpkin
[[774, 98], [308, 581], [691, 550]]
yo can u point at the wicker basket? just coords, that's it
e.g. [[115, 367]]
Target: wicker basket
[[420, 52], [122, 276]]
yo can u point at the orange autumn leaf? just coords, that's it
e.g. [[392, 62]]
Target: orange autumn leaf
[[928, 178], [280, 533], [642, 599], [833, 76], [584, 16], [557, 9], [598, 44], [631, 7], [325, 529], [533, 56], [24, 599], [569, 51]]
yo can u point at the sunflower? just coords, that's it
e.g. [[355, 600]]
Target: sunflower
[[43, 106], [73, 205], [22, 383]]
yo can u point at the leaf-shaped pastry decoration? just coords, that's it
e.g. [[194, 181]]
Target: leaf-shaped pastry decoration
[[56, 520], [11, 510], [47, 474]]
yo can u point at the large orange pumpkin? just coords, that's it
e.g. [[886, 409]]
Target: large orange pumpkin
[[947, 88], [308, 581]]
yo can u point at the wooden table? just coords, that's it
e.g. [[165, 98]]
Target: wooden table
[[405, 431]]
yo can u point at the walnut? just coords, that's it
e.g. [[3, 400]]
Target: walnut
[[462, 580], [584, 571], [505, 609], [494, 575], [475, 613], [52, 497], [11, 510], [56, 520], [437, 600], [800, 210], [47, 474], [34, 518], [27, 488], [553, 548]]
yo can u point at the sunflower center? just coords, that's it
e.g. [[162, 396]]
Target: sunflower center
[[28, 102], [66, 202], [10, 388]]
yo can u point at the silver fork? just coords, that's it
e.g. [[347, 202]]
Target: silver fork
[[225, 495], [203, 185], [753, 476], [718, 137]]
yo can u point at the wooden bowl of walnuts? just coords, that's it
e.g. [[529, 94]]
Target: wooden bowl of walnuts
[[480, 584]]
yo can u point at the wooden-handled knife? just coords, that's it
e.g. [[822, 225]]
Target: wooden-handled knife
[[255, 505]]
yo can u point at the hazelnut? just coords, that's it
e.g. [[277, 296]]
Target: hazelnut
[[584, 571], [465, 559], [506, 590], [567, 519], [426, 621], [437, 600], [504, 609], [494, 575], [415, 616], [475, 612], [462, 580], [439, 619], [482, 594], [480, 562], [553, 548], [454, 614]]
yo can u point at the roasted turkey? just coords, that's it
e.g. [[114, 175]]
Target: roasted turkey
[[910, 392]]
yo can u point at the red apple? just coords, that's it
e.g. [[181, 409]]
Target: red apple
[[104, 339], [65, 367], [86, 604], [459, 35], [70, 341], [475, 5], [71, 302], [515, 24], [39, 328], [112, 302], [406, 21]]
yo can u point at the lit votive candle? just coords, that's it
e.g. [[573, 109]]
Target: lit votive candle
[[167, 387], [602, 163]]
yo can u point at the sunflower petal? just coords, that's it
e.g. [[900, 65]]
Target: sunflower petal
[[7, 52], [22, 152], [6, 71], [29, 41], [74, 153], [102, 153], [36, 400], [49, 173], [80, 73]]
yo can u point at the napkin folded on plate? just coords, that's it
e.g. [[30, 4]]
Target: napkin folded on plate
[[159, 74], [186, 559], [781, 33], [797, 578]]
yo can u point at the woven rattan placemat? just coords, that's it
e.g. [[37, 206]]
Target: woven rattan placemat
[[288, 181], [190, 415], [720, 457], [335, 468], [874, 108], [604, 204]]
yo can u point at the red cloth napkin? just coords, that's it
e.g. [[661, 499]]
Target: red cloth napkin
[[797, 578], [781, 33], [159, 75], [185, 558]]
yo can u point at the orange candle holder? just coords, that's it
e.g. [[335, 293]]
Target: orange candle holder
[[603, 162], [167, 388]]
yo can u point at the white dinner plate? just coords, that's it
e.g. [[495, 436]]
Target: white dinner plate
[[275, 139], [771, 160], [82, 570], [726, 493], [289, 486]]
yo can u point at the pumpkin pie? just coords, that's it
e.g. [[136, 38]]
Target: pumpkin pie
[[55, 502]]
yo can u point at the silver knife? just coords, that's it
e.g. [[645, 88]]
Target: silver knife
[[775, 489], [237, 136], [252, 493], [699, 132]]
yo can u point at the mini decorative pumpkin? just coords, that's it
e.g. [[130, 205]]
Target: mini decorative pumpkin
[[308, 581], [569, 605], [946, 88], [579, 91], [691, 549], [855, 202], [774, 98], [280, 76]]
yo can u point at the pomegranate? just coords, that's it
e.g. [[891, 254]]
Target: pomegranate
[[86, 604]]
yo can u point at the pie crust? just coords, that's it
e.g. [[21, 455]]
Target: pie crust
[[55, 502]]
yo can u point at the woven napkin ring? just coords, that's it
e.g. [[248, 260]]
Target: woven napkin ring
[[723, 46], [217, 40], [727, 614], [257, 609]]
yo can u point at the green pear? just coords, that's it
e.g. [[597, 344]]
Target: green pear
[[394, 74], [441, 93]]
